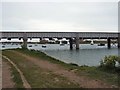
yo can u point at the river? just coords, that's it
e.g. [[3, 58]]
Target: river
[[90, 55]]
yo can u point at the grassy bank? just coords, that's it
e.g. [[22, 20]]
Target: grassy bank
[[38, 77], [92, 72], [98, 74], [16, 77], [41, 55]]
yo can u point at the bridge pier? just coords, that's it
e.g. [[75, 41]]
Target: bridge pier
[[24, 41], [71, 43], [108, 43], [118, 42], [77, 42]]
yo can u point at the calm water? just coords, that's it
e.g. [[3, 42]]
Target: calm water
[[87, 55]]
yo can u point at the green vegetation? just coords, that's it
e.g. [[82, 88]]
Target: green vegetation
[[98, 74], [40, 55], [109, 62], [40, 78], [36, 76], [108, 71], [16, 77]]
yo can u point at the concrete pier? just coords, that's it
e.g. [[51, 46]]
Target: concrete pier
[[24, 41], [118, 41], [77, 42], [109, 43], [71, 43]]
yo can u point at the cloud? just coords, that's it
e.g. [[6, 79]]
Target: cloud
[[0, 16], [59, 0], [59, 16]]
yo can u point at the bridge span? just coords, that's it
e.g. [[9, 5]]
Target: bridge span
[[68, 35]]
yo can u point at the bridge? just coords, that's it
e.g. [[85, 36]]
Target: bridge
[[68, 35]]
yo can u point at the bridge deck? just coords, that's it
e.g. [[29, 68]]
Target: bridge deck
[[58, 34]]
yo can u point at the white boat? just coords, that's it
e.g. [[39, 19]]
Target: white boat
[[61, 44], [92, 43]]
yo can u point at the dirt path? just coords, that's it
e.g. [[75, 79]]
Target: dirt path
[[25, 83], [0, 71], [70, 75], [7, 81]]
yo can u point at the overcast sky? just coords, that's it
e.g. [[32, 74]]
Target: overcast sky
[[59, 16]]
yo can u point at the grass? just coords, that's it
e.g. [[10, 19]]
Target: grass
[[98, 74], [37, 77], [91, 72], [41, 55], [16, 77]]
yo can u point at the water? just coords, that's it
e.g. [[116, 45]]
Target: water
[[90, 55]]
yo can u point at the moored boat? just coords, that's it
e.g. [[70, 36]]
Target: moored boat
[[101, 44], [92, 43], [44, 46], [3, 46], [30, 45], [62, 44]]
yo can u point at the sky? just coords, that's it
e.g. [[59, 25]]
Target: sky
[[59, 16]]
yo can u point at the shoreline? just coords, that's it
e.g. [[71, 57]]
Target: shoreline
[[89, 71]]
